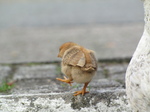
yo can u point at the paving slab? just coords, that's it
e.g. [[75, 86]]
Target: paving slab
[[32, 31], [42, 79], [5, 72], [35, 71], [20, 45], [27, 13]]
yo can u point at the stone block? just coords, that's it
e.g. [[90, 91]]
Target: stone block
[[102, 101], [35, 72], [5, 71]]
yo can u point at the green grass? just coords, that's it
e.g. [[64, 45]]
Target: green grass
[[4, 87]]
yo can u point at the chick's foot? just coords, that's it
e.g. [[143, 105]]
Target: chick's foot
[[80, 92], [65, 80], [83, 91]]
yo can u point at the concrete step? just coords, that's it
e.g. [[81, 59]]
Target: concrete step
[[102, 101], [37, 90]]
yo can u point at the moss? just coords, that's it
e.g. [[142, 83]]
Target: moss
[[4, 86]]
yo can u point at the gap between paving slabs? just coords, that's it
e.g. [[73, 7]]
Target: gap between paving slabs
[[36, 78]]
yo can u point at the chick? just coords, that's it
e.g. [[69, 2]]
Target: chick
[[78, 64]]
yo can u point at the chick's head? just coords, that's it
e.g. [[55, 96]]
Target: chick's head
[[65, 47]]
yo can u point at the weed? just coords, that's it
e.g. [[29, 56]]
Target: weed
[[4, 86]]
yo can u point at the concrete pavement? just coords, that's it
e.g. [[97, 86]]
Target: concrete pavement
[[47, 13], [42, 44], [33, 31]]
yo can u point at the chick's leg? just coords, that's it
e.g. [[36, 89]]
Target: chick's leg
[[83, 91], [65, 80]]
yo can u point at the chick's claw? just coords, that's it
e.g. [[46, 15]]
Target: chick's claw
[[65, 80], [80, 92]]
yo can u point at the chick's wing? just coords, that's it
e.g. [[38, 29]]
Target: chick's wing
[[91, 63], [74, 56], [93, 60]]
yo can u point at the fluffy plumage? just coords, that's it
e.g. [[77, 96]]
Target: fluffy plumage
[[138, 72], [78, 64]]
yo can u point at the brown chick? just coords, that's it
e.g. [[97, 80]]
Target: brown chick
[[78, 64]]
